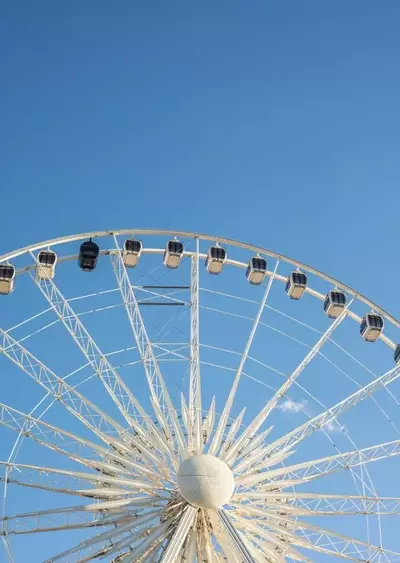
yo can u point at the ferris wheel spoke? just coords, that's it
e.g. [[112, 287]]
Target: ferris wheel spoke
[[231, 397], [236, 537], [273, 546], [259, 420], [251, 454], [61, 521], [311, 504], [195, 442], [312, 469], [78, 449], [106, 476], [165, 410], [209, 421], [75, 402], [190, 546], [153, 537], [204, 541], [119, 392], [47, 435], [298, 434], [74, 518], [320, 540], [120, 526], [283, 534], [185, 413], [72, 447], [324, 541], [102, 425], [224, 539], [180, 534], [103, 493], [233, 430]]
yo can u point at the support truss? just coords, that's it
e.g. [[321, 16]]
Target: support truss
[[181, 531], [215, 445], [90, 415], [295, 436], [309, 470], [309, 504], [161, 400], [120, 393], [259, 420], [195, 443]]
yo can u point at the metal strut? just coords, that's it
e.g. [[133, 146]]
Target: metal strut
[[234, 534], [161, 399], [195, 444]]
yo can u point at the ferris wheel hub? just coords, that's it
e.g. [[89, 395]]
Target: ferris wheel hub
[[205, 481]]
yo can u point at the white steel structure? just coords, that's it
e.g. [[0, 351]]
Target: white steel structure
[[166, 415]]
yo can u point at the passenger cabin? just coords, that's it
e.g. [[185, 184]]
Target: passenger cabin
[[131, 252], [88, 255], [371, 327], [173, 254], [7, 278], [334, 303], [215, 261], [397, 354], [256, 270], [46, 265], [296, 284]]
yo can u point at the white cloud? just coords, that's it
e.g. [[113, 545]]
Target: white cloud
[[292, 406], [333, 426]]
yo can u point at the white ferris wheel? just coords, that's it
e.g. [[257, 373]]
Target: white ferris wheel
[[193, 399]]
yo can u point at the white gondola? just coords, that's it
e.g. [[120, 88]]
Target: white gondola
[[7, 278], [256, 270], [46, 266], [215, 261], [371, 327], [131, 252], [173, 253], [334, 303], [296, 284], [396, 354]]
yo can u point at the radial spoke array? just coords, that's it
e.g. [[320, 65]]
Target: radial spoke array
[[228, 405], [117, 389], [115, 478]]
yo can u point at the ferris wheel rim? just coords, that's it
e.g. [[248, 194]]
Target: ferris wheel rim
[[116, 256], [211, 238]]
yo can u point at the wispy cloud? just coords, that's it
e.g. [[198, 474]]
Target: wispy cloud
[[292, 406], [333, 426]]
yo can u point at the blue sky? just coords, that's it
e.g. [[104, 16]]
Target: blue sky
[[276, 123], [273, 123]]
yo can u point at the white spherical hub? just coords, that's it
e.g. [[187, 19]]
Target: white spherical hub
[[205, 481]]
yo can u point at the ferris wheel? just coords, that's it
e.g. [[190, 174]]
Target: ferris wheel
[[175, 397]]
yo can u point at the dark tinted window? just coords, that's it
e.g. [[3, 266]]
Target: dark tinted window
[[338, 297], [133, 245], [218, 253], [46, 257], [89, 249], [259, 264], [7, 272], [375, 321], [175, 246], [299, 278]]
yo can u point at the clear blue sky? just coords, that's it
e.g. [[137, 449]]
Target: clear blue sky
[[277, 123], [273, 122]]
